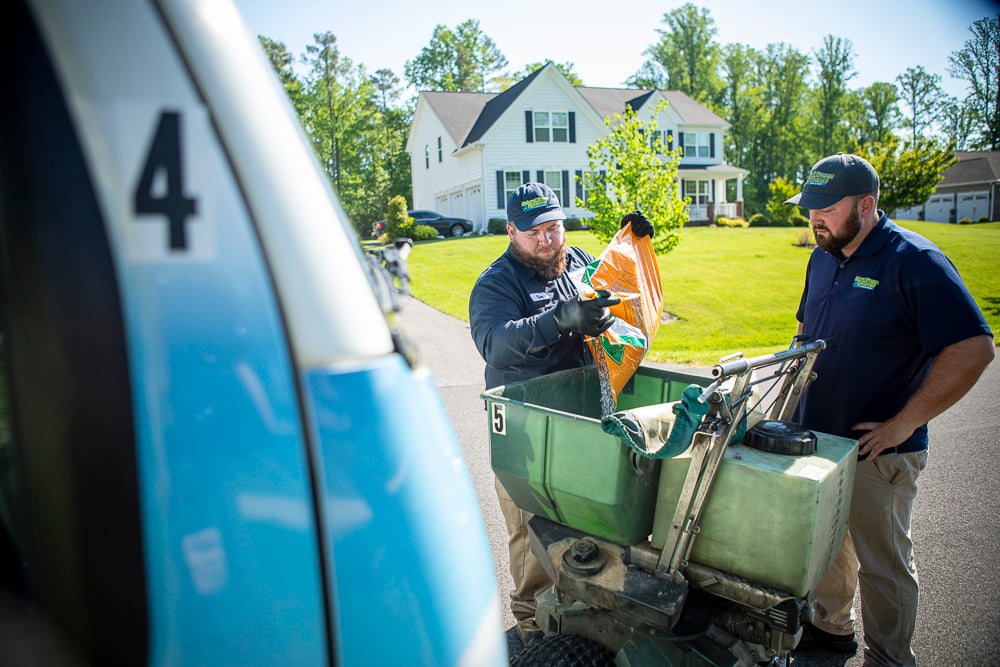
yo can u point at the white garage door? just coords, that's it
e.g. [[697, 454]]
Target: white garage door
[[973, 205], [939, 208]]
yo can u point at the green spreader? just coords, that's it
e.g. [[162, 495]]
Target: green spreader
[[548, 450]]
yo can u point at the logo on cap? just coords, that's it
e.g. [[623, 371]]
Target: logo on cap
[[820, 178], [537, 202]]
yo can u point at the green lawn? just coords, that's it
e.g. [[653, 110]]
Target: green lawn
[[732, 290]]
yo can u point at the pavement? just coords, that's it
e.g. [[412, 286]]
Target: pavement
[[956, 525]]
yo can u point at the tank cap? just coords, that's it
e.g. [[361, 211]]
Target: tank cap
[[781, 437]]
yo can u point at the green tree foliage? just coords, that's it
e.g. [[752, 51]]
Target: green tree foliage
[[742, 103], [281, 60], [921, 92], [958, 123], [784, 134], [781, 190], [878, 112], [638, 176], [909, 171], [459, 60], [505, 81], [341, 121], [686, 58], [835, 63], [978, 63]]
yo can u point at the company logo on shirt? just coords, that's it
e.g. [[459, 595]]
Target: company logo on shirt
[[865, 283], [539, 296]]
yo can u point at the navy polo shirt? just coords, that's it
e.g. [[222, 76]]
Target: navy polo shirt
[[512, 322], [891, 306]]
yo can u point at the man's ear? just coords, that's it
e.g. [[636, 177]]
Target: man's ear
[[510, 231]]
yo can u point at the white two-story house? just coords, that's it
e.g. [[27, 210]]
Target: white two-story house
[[468, 151]]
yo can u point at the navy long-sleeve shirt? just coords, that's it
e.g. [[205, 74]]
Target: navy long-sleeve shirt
[[513, 324]]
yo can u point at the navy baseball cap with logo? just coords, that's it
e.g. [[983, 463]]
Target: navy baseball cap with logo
[[835, 177], [531, 205]]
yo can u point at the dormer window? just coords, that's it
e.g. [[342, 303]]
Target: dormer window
[[551, 126], [697, 144]]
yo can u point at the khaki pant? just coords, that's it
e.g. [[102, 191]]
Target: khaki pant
[[878, 554], [530, 579]]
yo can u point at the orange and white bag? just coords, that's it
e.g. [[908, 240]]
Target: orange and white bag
[[627, 269]]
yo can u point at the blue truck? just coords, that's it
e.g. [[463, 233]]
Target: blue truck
[[215, 447]]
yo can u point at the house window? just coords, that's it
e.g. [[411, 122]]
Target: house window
[[440, 152], [551, 126], [427, 156], [553, 179], [697, 191], [511, 181], [696, 144], [586, 190], [658, 141]]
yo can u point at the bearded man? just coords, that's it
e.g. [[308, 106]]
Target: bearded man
[[911, 341], [528, 320]]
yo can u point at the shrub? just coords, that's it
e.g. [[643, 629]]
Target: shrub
[[496, 226], [731, 222], [572, 224], [965, 221], [585, 223], [781, 189], [799, 220], [805, 240], [984, 218], [759, 220], [397, 219], [421, 232]]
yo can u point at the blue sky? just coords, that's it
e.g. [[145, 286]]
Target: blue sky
[[605, 44]]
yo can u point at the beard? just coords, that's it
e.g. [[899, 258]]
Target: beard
[[834, 243], [547, 269]]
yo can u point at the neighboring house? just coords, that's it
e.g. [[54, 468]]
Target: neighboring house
[[970, 189], [469, 151]]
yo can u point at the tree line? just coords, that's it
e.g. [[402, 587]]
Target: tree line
[[786, 108]]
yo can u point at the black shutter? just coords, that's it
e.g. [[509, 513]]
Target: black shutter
[[711, 144], [501, 203], [526, 176], [572, 127], [565, 188], [529, 129], [541, 176], [604, 177], [579, 185], [670, 139], [680, 142]]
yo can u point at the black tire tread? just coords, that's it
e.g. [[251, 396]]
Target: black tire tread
[[563, 651]]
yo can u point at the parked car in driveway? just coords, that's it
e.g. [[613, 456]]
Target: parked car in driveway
[[444, 225]]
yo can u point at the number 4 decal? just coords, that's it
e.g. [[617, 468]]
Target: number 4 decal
[[165, 158]]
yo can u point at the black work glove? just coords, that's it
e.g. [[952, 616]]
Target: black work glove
[[641, 226], [588, 316]]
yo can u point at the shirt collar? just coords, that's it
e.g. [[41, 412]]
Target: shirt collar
[[877, 237]]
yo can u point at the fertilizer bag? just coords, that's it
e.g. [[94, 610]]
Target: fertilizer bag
[[627, 269]]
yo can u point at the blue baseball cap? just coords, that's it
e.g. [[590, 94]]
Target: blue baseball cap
[[835, 177], [532, 204]]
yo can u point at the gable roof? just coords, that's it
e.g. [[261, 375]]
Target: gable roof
[[468, 116], [972, 168], [458, 111]]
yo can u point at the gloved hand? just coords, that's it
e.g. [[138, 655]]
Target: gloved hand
[[588, 316], [641, 226]]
